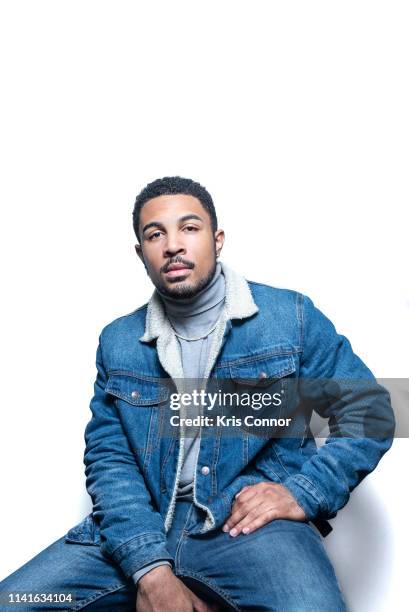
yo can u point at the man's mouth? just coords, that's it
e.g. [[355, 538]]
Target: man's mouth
[[177, 269]]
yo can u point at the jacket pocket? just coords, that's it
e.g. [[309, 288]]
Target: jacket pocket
[[136, 391], [86, 532], [141, 406], [262, 371], [264, 384]]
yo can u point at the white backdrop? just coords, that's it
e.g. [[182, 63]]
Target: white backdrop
[[294, 116]]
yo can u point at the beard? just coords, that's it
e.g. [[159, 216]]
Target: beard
[[182, 290]]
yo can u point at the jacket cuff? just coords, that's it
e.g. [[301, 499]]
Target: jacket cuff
[[138, 575], [307, 496], [141, 551]]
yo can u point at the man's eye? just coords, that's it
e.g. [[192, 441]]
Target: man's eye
[[190, 228], [154, 235]]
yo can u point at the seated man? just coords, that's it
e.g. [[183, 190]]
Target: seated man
[[219, 516]]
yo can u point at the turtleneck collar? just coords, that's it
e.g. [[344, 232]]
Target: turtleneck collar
[[206, 298], [196, 314]]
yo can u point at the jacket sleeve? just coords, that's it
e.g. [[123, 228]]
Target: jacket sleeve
[[360, 417], [132, 531]]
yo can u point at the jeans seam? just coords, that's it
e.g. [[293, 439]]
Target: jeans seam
[[180, 543], [182, 537], [98, 595]]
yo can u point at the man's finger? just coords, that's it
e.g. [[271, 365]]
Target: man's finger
[[240, 509], [247, 513], [241, 491], [248, 526]]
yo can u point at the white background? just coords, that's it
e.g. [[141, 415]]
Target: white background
[[295, 116]]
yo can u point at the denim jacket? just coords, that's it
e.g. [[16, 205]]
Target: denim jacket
[[272, 335]]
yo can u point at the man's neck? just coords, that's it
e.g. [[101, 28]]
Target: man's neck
[[196, 314]]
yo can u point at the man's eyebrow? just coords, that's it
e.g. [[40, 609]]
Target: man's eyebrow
[[189, 216], [153, 224]]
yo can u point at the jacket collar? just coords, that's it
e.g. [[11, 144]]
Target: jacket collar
[[239, 304]]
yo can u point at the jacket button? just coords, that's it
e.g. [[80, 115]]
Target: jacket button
[[135, 394], [262, 375], [205, 470]]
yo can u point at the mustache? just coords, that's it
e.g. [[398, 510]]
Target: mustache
[[178, 259]]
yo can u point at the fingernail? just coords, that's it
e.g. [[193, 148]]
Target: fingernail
[[246, 529], [225, 528], [233, 532]]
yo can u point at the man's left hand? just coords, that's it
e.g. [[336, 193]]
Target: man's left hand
[[259, 504]]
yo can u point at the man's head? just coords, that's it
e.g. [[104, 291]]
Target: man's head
[[175, 222]]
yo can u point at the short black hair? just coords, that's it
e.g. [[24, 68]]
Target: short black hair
[[169, 185]]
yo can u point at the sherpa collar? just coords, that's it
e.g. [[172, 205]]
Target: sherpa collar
[[239, 304]]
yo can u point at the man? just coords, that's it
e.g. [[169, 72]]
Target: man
[[212, 517]]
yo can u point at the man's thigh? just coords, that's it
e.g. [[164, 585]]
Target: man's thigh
[[97, 583], [282, 566]]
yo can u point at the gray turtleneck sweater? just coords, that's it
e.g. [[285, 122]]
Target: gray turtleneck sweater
[[193, 320]]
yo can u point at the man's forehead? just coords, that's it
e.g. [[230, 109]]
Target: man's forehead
[[171, 207]]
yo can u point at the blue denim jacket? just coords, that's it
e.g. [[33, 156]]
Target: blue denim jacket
[[275, 336]]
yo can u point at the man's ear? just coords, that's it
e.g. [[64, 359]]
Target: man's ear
[[219, 240], [138, 250]]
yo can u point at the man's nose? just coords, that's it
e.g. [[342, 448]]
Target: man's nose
[[173, 246]]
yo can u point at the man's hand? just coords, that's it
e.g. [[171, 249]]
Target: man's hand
[[259, 504], [161, 591]]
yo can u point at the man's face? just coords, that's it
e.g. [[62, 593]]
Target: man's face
[[178, 246]]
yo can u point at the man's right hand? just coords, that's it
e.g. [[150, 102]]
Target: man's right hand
[[161, 591]]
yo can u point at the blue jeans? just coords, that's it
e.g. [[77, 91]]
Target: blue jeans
[[282, 567]]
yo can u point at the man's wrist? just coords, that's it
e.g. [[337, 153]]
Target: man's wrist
[[154, 577], [147, 568]]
